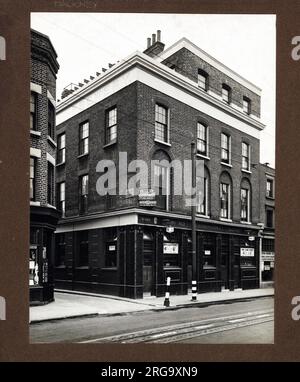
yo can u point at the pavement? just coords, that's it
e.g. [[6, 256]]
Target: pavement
[[73, 304]]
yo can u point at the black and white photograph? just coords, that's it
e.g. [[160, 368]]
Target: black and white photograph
[[152, 178]]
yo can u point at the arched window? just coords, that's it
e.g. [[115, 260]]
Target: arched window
[[203, 196], [225, 196], [161, 182], [245, 200]]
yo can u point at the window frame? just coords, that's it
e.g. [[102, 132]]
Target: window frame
[[50, 183], [247, 101], [32, 178], [159, 187], [227, 149], [165, 125], [82, 146], [270, 180], [33, 114], [269, 209], [203, 141], [246, 158], [205, 200], [51, 120], [61, 151], [83, 197], [204, 84], [247, 217], [61, 203], [228, 185], [226, 88], [108, 127]]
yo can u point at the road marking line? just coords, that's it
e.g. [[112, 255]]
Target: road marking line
[[245, 319], [163, 334], [147, 332]]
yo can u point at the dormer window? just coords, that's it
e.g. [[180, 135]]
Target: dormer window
[[226, 93], [202, 80]]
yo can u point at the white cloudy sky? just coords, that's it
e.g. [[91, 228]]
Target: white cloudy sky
[[86, 42]]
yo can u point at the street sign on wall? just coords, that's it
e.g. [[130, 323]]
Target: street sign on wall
[[171, 248], [247, 252]]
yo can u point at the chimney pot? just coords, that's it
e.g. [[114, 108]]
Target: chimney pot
[[148, 42], [158, 35], [153, 38]]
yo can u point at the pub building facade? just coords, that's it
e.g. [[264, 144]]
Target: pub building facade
[[43, 212], [152, 105]]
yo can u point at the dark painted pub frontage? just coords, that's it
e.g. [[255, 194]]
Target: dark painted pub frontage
[[135, 260]]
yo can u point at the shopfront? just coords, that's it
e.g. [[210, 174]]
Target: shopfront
[[41, 253]]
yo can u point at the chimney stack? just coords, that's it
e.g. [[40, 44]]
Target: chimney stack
[[153, 38], [158, 35], [154, 45]]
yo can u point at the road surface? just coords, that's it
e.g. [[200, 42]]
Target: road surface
[[250, 321]]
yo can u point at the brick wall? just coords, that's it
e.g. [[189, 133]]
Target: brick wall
[[125, 100], [42, 73], [136, 109], [188, 64], [183, 124]]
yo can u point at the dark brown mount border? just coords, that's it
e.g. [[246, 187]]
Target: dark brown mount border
[[14, 215]]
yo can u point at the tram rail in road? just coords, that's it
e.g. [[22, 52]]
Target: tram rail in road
[[180, 332]]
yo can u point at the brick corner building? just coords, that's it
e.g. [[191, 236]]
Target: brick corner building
[[43, 213], [151, 106]]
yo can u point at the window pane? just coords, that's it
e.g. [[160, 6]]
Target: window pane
[[32, 103], [224, 196], [225, 94], [202, 80]]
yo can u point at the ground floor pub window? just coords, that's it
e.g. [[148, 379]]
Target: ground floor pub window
[[247, 255], [209, 257], [60, 250], [33, 258], [111, 253], [170, 252], [83, 249]]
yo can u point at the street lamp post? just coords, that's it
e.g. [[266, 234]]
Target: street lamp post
[[193, 212]]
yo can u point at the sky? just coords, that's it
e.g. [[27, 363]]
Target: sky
[[87, 42]]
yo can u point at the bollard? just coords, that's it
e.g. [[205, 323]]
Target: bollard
[[194, 290], [167, 296]]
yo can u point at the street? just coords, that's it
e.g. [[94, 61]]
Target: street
[[249, 321]]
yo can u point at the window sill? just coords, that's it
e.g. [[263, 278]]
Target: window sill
[[202, 156], [60, 164], [53, 143], [226, 220], [33, 203], [50, 206], [203, 216], [246, 171], [109, 269], [270, 197], [244, 222], [226, 164], [36, 133], [83, 155], [162, 142], [82, 267], [110, 144]]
